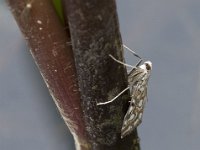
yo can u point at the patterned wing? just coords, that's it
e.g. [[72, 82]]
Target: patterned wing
[[134, 114]]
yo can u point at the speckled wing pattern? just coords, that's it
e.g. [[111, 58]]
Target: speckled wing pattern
[[138, 80]]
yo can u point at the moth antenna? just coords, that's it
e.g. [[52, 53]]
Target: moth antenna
[[130, 50]]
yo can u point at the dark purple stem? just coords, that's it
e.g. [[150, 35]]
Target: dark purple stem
[[94, 34], [50, 47]]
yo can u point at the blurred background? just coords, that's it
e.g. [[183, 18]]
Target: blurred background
[[167, 32]]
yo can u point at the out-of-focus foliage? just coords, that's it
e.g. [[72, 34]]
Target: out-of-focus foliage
[[59, 9]]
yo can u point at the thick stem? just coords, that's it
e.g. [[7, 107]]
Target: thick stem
[[49, 42], [95, 34]]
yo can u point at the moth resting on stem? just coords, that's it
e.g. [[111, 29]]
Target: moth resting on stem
[[138, 80]]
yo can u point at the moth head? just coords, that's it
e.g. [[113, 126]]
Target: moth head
[[148, 65]]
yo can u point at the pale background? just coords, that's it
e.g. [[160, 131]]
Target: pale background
[[167, 32]]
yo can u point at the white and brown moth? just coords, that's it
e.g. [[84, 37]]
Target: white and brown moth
[[138, 80]]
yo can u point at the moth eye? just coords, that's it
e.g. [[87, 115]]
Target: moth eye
[[148, 67]]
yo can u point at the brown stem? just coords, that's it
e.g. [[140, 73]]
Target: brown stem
[[49, 42], [95, 34]]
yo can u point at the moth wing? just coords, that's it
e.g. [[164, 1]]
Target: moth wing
[[129, 119], [135, 75], [134, 114]]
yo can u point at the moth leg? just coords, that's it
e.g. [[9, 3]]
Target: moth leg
[[103, 103], [120, 62]]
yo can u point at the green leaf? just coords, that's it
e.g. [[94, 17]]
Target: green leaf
[[59, 9]]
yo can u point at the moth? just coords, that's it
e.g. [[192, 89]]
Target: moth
[[138, 79]]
